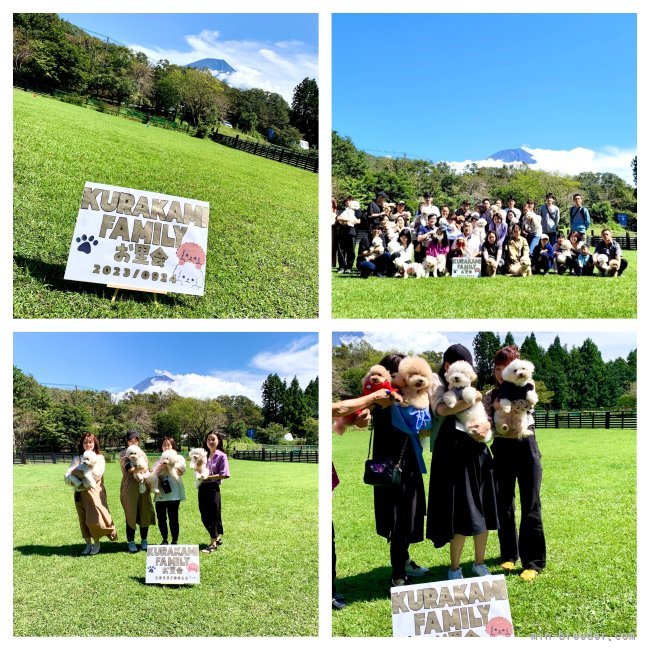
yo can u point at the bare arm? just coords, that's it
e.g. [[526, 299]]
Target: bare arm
[[444, 410], [349, 406]]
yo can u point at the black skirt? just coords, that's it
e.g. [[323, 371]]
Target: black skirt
[[462, 495], [402, 508]]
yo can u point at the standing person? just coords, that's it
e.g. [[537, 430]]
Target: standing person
[[137, 506], [399, 511], [347, 222], [168, 500], [462, 501], [91, 505], [512, 207], [210, 490], [500, 228], [376, 209], [579, 217], [550, 218], [517, 461], [334, 231]]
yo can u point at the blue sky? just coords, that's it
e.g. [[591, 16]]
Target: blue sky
[[200, 364], [460, 87], [270, 51], [611, 345]]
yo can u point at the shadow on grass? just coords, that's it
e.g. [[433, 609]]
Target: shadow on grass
[[375, 584], [70, 550], [52, 276]]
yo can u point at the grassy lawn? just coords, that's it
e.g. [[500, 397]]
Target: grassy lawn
[[261, 214], [549, 296], [589, 506], [263, 581]]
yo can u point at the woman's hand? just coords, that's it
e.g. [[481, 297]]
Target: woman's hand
[[387, 398]]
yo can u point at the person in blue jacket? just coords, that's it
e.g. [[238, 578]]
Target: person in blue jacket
[[579, 216], [542, 261]]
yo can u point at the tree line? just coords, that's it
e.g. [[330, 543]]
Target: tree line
[[54, 419], [361, 175], [49, 51], [566, 379]]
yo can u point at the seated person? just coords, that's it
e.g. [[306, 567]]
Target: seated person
[[563, 254], [518, 254], [607, 246], [403, 255], [372, 256], [542, 260], [492, 255], [472, 241], [458, 250], [584, 264]]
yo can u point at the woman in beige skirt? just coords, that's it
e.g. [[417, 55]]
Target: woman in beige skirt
[[137, 505], [95, 519]]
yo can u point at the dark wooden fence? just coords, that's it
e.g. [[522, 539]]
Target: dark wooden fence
[[585, 419], [43, 457], [273, 152], [627, 242], [283, 456]]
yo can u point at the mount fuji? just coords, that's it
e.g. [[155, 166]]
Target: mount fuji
[[512, 156]]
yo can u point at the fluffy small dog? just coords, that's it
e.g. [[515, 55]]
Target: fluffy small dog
[[601, 262], [170, 463], [414, 378], [393, 246], [564, 253], [138, 459], [376, 249], [517, 397], [199, 463], [435, 265], [88, 461], [415, 269], [459, 377]]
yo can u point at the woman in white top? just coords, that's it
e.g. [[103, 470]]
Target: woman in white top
[[170, 496], [95, 519]]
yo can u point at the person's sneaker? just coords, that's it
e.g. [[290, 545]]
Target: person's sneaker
[[529, 574], [508, 565], [86, 551], [132, 547], [414, 570], [94, 549], [401, 582], [164, 542], [480, 570], [341, 271], [338, 602], [455, 574], [144, 545]]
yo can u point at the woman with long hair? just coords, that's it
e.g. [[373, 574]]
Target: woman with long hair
[[91, 505], [210, 490]]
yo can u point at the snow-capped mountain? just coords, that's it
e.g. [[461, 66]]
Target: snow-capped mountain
[[216, 66], [513, 155]]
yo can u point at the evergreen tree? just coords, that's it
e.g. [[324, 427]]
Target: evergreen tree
[[509, 340], [558, 381], [273, 390], [311, 396], [295, 408], [486, 345], [587, 372], [304, 110]]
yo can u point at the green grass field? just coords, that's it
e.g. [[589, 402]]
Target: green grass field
[[549, 296], [589, 512], [262, 213], [263, 581]]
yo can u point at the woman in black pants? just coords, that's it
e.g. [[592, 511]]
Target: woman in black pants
[[210, 490], [517, 461], [170, 496], [399, 511]]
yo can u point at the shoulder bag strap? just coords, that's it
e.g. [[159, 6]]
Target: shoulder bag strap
[[372, 427]]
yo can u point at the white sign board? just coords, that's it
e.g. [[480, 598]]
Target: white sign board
[[466, 267], [139, 240], [466, 607], [173, 564]]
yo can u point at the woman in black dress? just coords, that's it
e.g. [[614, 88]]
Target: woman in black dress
[[517, 461], [462, 496], [399, 512]]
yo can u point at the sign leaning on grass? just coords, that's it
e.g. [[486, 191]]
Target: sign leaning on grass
[[139, 240], [466, 607], [466, 267], [173, 564]]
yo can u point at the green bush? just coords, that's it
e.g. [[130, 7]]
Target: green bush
[[77, 100]]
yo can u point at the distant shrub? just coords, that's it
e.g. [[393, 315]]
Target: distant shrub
[[77, 100]]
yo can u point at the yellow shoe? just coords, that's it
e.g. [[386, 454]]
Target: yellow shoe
[[507, 566], [529, 575]]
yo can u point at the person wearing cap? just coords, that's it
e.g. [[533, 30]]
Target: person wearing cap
[[550, 218], [542, 258], [376, 266], [517, 461], [137, 505], [376, 210], [90, 503], [462, 495], [401, 211], [346, 233]]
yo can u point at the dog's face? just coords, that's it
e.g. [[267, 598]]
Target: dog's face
[[519, 372], [376, 375], [168, 457], [414, 373], [90, 458], [460, 374], [615, 264], [133, 452], [198, 455]]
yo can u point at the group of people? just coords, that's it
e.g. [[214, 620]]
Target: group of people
[[95, 518], [506, 240], [471, 485]]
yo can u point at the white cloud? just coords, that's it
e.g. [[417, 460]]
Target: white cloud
[[402, 340], [569, 162], [299, 359], [275, 67]]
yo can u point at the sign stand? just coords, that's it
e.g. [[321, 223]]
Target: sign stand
[[117, 290]]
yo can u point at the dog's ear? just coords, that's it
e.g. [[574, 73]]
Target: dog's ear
[[398, 381]]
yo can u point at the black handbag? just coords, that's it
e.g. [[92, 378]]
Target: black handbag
[[385, 472]]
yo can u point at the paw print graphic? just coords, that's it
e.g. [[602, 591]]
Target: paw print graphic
[[151, 569], [86, 243]]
